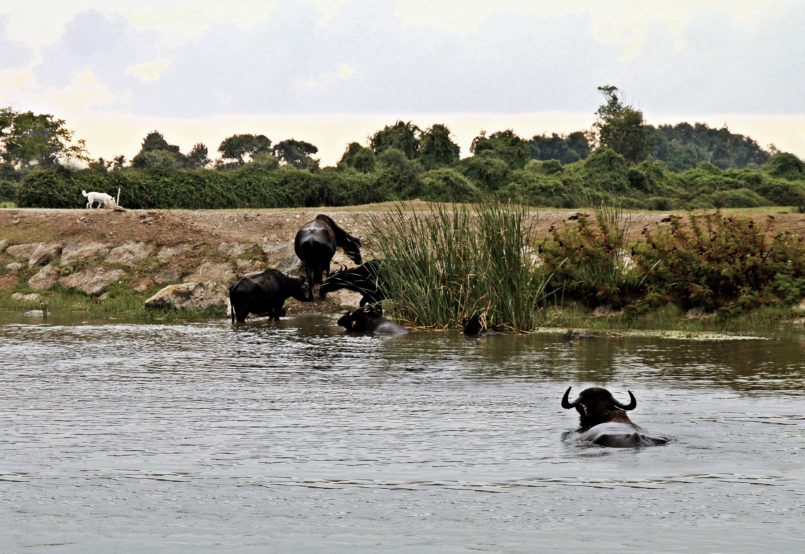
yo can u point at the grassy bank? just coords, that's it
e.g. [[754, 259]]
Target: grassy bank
[[697, 271]]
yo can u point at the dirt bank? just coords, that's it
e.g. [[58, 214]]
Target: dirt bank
[[89, 250]]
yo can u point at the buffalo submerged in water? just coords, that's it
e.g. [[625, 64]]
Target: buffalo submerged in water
[[604, 420]]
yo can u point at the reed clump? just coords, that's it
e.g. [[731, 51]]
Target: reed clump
[[449, 261]]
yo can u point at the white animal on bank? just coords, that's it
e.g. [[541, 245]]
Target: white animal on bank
[[104, 200]]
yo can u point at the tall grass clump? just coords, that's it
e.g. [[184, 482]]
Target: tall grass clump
[[451, 260]]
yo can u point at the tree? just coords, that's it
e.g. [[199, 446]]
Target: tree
[[358, 157], [401, 136], [236, 148], [566, 149], [505, 145], [398, 176], [198, 157], [296, 153], [621, 128], [28, 139], [157, 154], [436, 148]]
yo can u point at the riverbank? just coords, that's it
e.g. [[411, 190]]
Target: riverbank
[[105, 263]]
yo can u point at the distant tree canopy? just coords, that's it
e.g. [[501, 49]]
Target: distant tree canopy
[[437, 149], [504, 145], [236, 148], [297, 153], [358, 157], [402, 136], [622, 160], [566, 149], [28, 139], [622, 128]]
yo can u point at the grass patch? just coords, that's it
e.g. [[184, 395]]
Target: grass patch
[[448, 261]]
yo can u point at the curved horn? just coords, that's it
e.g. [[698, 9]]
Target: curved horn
[[565, 404], [631, 406]]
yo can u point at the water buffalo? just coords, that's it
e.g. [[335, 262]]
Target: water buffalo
[[476, 325], [604, 420], [369, 319], [264, 294], [315, 245], [364, 279]]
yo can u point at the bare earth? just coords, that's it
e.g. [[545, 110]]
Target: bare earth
[[273, 226]]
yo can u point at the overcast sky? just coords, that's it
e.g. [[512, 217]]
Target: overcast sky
[[333, 71]]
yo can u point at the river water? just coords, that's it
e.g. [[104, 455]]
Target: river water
[[291, 437]]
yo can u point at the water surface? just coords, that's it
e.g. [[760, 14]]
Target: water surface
[[290, 436]]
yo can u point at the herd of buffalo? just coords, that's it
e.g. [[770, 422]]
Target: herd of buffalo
[[603, 419]]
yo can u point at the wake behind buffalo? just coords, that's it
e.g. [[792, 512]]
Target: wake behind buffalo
[[603, 420]]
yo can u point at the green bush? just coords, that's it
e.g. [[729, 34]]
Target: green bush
[[448, 185]]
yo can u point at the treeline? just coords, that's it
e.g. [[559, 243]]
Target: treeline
[[602, 178], [622, 160]]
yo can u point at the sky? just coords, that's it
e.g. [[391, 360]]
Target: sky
[[334, 71]]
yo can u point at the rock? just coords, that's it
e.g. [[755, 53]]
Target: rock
[[43, 254], [130, 253], [3, 244], [73, 251], [345, 298], [45, 279], [233, 249], [212, 272], [31, 298], [22, 250], [168, 253], [192, 295], [168, 275], [92, 281], [14, 266], [248, 266], [35, 313], [801, 305]]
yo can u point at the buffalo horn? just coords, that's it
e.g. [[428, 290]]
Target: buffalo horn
[[565, 404], [632, 405]]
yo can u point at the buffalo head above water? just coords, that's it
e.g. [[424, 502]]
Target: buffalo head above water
[[604, 420]]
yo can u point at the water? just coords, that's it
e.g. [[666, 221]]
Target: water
[[290, 436]]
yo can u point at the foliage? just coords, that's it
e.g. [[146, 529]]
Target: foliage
[[565, 149], [588, 259], [684, 146], [786, 166], [448, 185], [236, 148], [358, 157], [402, 136], [397, 176], [621, 128], [504, 145], [722, 264], [28, 140], [296, 153], [437, 149], [489, 172], [453, 260]]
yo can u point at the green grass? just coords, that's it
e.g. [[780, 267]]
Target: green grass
[[448, 261], [119, 303]]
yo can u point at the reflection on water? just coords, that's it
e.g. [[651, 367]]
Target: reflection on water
[[289, 436]]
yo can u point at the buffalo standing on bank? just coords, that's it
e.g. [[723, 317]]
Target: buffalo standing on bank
[[264, 294], [604, 420], [315, 244]]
